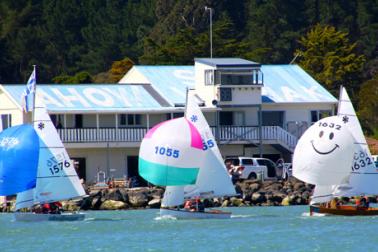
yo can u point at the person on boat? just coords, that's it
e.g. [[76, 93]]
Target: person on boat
[[56, 207], [364, 202], [334, 203], [188, 205], [200, 206], [46, 208]]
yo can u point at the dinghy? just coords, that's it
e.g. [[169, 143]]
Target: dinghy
[[56, 177], [191, 139], [340, 172]]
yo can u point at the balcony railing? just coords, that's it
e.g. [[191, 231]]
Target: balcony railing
[[102, 135], [226, 134]]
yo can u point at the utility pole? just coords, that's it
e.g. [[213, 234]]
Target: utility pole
[[211, 29]]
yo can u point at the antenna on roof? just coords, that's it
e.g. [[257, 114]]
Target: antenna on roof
[[211, 29]]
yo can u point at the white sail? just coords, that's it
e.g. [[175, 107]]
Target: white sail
[[173, 196], [213, 179], [324, 153], [322, 194], [56, 179], [25, 199], [364, 175]]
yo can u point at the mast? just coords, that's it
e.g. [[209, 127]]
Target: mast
[[34, 90], [186, 101], [340, 99]]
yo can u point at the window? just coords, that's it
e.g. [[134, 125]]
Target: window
[[57, 120], [272, 118], [226, 118], [316, 115], [130, 119], [175, 115], [6, 121], [239, 118], [225, 94], [209, 77]]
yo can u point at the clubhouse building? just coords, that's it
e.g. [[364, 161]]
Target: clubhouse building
[[253, 109]]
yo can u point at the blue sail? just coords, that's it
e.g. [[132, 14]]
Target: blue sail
[[19, 151]]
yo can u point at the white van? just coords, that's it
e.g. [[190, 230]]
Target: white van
[[252, 168]]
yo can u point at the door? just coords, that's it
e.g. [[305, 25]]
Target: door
[[80, 167], [132, 172], [78, 121]]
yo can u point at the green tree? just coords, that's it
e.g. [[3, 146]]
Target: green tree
[[120, 68], [368, 106], [330, 58], [80, 77]]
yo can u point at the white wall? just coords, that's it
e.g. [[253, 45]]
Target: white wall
[[206, 92], [7, 106], [97, 159]]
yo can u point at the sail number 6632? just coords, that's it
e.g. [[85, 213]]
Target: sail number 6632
[[169, 152]]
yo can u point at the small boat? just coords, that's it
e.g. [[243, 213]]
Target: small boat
[[65, 216], [183, 155], [346, 210], [185, 214], [334, 156], [56, 178]]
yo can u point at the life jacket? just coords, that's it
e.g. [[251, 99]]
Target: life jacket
[[358, 202], [188, 204]]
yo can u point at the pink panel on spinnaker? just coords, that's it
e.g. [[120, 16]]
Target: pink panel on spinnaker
[[196, 141], [152, 131]]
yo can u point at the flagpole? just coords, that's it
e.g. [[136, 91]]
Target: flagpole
[[35, 88]]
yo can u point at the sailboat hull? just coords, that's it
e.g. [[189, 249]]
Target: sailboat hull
[[184, 214], [33, 217], [344, 210]]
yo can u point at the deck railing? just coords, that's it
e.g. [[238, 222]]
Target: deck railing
[[225, 134]]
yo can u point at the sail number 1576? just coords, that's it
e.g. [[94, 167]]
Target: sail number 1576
[[169, 152]]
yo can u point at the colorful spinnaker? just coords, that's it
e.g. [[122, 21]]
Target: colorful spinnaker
[[19, 152], [171, 153]]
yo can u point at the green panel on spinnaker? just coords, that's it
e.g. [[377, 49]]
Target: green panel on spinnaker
[[164, 175]]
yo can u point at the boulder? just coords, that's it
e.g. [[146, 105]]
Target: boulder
[[116, 194], [112, 205], [156, 193], [70, 206], [225, 203], [236, 202], [86, 203], [286, 201], [96, 203], [138, 198], [258, 198], [154, 203], [254, 187]]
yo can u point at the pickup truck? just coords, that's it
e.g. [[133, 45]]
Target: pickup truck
[[252, 168]]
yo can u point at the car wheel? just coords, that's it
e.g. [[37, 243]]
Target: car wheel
[[252, 175]]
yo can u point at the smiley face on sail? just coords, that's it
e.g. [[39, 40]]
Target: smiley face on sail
[[331, 134], [321, 135], [324, 152]]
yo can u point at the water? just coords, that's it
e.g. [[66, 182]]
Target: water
[[249, 229]]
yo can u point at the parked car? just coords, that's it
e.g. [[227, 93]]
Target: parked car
[[252, 168]]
